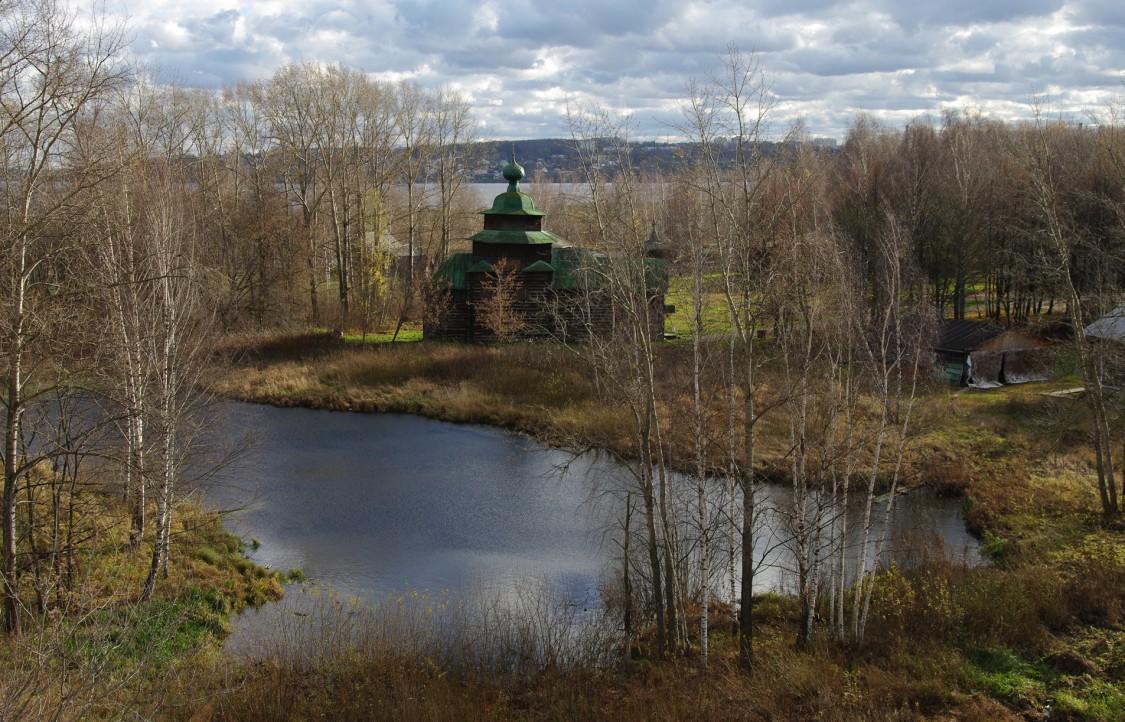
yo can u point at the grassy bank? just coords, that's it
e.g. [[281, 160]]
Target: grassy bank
[[542, 391], [93, 651], [1040, 629]]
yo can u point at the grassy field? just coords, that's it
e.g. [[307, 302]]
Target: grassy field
[[1038, 629], [716, 316]]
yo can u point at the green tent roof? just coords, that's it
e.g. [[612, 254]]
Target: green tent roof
[[451, 273], [522, 238], [513, 203]]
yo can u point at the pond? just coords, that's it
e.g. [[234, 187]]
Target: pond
[[372, 504]]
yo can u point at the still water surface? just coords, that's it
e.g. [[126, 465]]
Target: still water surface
[[371, 504]]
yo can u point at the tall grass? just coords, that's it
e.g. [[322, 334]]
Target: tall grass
[[411, 655], [541, 390], [520, 656]]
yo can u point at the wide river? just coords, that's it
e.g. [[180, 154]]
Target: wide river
[[372, 504]]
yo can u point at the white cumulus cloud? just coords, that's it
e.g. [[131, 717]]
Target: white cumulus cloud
[[521, 61]]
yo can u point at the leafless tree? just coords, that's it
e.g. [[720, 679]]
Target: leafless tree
[[726, 120], [175, 349], [456, 153], [1047, 152], [624, 356], [286, 101], [498, 310], [54, 74], [414, 130]]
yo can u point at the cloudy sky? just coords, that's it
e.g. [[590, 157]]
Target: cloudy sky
[[519, 62]]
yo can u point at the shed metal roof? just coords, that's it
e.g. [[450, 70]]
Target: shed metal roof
[[964, 336], [1110, 326]]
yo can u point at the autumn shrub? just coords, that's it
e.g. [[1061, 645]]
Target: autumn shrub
[[1011, 608], [1094, 579], [943, 602], [946, 476], [909, 603]]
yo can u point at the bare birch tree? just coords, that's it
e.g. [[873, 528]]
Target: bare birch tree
[[624, 357], [54, 72], [1046, 154], [726, 120], [175, 349]]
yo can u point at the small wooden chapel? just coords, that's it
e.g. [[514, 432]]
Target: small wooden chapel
[[553, 288]]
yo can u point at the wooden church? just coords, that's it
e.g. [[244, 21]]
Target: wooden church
[[522, 282]]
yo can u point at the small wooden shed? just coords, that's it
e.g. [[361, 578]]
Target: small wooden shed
[[982, 354]]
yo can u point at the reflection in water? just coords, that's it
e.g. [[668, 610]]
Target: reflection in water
[[372, 504]]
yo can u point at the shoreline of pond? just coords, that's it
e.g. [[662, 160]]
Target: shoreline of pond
[[390, 535], [1023, 494], [251, 381]]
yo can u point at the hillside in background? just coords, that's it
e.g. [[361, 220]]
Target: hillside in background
[[557, 159]]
